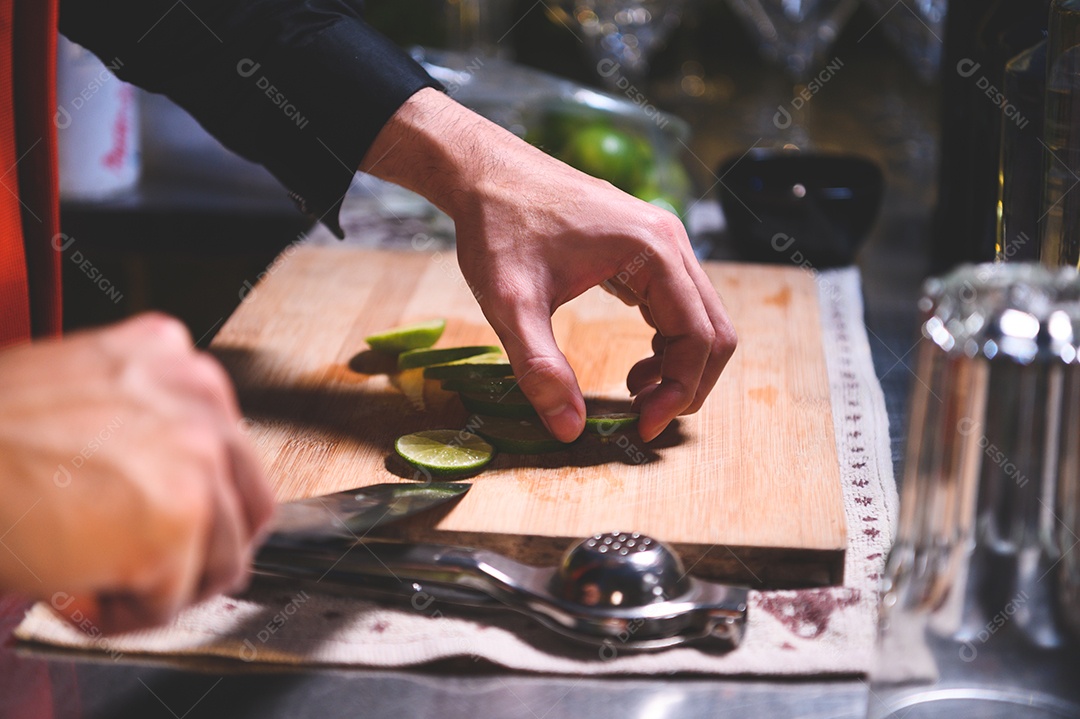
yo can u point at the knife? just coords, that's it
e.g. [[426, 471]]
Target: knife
[[347, 516]]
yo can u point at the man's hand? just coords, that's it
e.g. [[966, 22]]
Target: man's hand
[[129, 490], [533, 233]]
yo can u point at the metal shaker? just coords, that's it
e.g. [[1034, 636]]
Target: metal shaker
[[979, 603]]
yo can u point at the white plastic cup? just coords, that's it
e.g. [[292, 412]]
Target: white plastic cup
[[97, 121]]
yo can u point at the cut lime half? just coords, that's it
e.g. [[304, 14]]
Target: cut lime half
[[426, 357], [493, 364], [516, 436], [445, 452], [407, 337]]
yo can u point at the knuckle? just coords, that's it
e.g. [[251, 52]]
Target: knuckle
[[726, 340], [165, 328], [664, 226], [538, 371]]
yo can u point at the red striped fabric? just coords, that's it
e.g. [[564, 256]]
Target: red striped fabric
[[14, 280], [35, 86], [29, 207]]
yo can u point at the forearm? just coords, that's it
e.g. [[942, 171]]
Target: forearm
[[302, 88]]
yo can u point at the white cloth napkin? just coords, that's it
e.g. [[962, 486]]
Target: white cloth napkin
[[804, 632]]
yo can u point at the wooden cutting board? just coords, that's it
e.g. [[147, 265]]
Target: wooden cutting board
[[747, 489]]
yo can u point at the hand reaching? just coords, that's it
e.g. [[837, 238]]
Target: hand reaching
[[533, 233]]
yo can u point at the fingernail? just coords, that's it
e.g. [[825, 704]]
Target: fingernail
[[564, 421]]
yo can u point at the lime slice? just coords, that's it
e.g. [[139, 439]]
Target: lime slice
[[445, 452], [407, 337], [516, 436], [411, 382], [497, 386], [478, 367], [611, 423], [508, 406], [426, 357]]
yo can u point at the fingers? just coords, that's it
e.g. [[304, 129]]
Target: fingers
[[679, 315], [148, 333], [258, 501], [225, 564], [619, 289], [199, 394], [645, 373], [542, 371], [129, 612], [243, 503], [724, 340], [694, 339]]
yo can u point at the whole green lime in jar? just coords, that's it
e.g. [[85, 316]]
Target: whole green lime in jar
[[611, 154]]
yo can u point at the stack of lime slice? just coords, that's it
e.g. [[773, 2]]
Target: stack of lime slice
[[504, 419], [430, 357], [480, 366]]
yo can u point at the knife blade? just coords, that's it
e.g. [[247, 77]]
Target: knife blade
[[348, 515]]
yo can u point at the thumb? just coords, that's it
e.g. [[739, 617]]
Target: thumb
[[542, 371]]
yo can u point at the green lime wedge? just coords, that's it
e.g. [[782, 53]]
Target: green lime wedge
[[611, 423], [516, 436], [426, 357], [493, 364], [509, 406], [445, 452], [497, 386], [407, 337]]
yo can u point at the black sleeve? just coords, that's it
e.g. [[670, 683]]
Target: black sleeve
[[299, 86]]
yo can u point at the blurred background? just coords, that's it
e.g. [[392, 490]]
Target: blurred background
[[689, 97]]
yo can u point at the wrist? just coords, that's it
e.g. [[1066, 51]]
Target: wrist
[[437, 148]]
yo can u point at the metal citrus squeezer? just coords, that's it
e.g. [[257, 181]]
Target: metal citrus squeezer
[[618, 587]]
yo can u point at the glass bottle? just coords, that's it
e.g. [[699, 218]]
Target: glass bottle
[[1020, 178], [980, 37], [1061, 225]]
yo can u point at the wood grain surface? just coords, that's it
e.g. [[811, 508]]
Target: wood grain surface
[[748, 489]]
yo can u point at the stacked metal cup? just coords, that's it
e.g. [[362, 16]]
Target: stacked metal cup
[[980, 605]]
